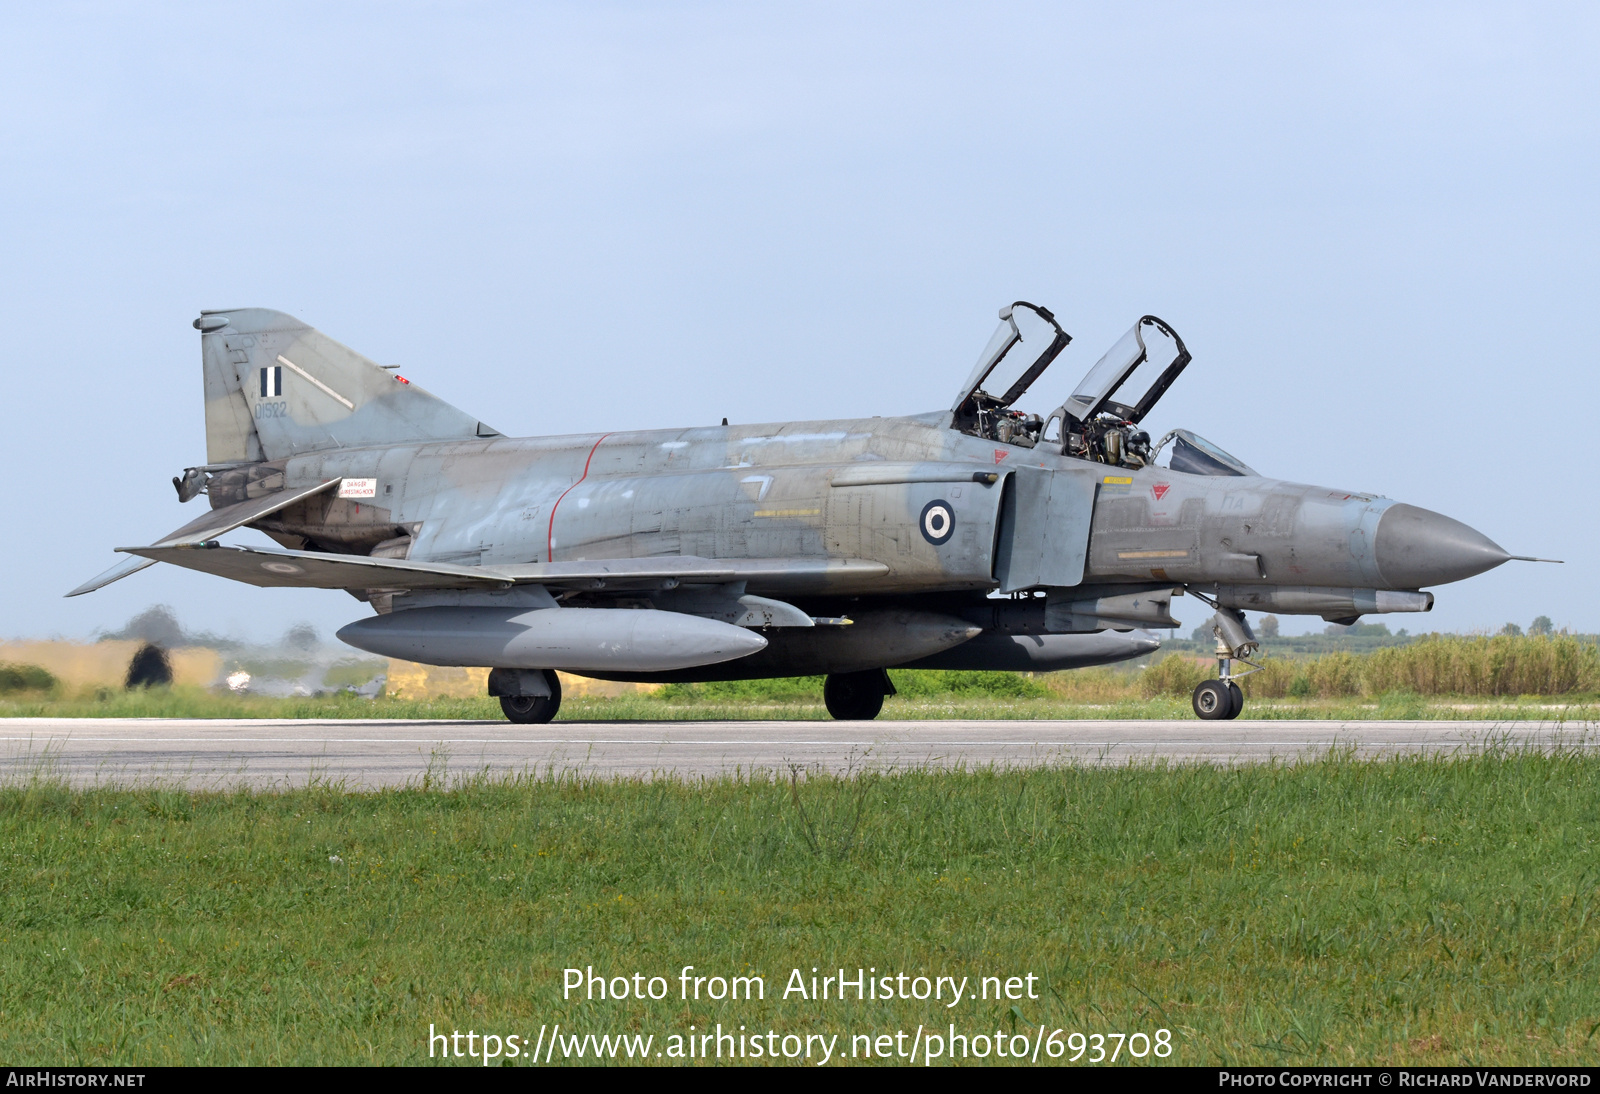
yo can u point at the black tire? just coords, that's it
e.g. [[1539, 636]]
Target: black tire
[[534, 710], [854, 696], [1238, 700], [1213, 701]]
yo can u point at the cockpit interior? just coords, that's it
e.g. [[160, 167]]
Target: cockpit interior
[[1098, 421]]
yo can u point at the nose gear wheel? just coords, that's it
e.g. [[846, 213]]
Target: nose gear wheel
[[1212, 700], [1218, 700]]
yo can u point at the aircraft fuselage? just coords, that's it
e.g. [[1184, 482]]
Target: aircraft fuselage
[[774, 491]]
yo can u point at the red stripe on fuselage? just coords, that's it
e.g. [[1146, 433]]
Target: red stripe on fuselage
[[550, 537]]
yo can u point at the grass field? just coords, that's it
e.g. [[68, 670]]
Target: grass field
[[802, 700], [1421, 910], [1435, 677]]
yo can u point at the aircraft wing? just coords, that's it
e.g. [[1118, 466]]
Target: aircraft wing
[[208, 525], [116, 573], [272, 567]]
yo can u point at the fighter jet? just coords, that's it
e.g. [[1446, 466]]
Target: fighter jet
[[979, 536]]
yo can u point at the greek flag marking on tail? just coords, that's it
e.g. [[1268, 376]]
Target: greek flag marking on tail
[[326, 390], [272, 381], [338, 396]]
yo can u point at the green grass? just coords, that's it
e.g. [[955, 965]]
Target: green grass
[[1009, 697], [1435, 677], [1419, 910], [190, 702]]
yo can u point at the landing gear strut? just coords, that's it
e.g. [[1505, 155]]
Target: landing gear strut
[[1222, 699], [856, 696], [519, 692]]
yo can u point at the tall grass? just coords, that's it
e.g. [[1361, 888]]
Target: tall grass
[[1503, 665]]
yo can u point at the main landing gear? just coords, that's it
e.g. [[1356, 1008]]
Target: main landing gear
[[528, 696], [856, 696], [1222, 699]]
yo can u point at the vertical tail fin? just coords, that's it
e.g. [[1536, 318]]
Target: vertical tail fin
[[277, 388]]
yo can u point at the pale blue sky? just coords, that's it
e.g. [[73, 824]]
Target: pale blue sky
[[1374, 225]]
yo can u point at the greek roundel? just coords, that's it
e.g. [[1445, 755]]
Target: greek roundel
[[272, 381], [938, 522]]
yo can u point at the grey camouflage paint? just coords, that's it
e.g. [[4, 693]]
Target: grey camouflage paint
[[903, 523]]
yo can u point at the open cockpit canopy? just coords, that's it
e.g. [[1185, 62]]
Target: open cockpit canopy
[[1024, 344], [1099, 420], [1149, 356]]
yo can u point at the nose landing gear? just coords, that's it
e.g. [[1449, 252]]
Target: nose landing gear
[[1222, 699], [1218, 700]]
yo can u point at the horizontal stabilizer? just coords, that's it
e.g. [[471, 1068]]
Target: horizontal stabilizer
[[268, 567], [207, 526], [218, 521]]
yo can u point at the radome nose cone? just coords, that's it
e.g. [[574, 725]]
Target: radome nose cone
[[1417, 547]]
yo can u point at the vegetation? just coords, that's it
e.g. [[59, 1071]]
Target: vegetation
[[1090, 694], [1437, 676], [22, 678], [1426, 910], [1503, 665], [910, 684], [1334, 638], [190, 702], [1360, 638]]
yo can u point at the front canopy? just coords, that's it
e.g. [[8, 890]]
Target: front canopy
[[1024, 344]]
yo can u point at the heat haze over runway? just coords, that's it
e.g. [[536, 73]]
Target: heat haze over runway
[[363, 754]]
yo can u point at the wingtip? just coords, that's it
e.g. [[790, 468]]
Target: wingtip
[[121, 570]]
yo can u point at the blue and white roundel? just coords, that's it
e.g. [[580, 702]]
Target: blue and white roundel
[[938, 522]]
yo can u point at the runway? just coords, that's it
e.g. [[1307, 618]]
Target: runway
[[372, 753]]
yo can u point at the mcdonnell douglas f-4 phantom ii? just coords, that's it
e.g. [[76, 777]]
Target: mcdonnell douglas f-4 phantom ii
[[975, 537]]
